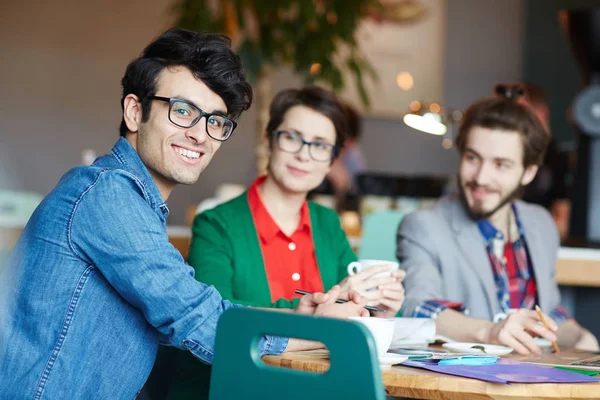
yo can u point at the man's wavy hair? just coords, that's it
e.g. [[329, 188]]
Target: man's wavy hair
[[504, 111], [209, 58]]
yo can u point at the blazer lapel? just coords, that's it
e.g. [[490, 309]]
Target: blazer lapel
[[472, 245], [534, 241]]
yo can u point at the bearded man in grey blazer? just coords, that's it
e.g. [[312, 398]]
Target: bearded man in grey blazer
[[480, 262]]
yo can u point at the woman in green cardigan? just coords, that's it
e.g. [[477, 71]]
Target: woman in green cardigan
[[259, 247]]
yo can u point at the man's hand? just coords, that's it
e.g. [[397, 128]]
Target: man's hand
[[571, 334], [324, 304], [386, 292], [519, 328]]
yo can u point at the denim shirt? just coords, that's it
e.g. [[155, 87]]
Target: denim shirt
[[93, 285]]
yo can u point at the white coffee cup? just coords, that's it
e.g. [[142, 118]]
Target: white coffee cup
[[360, 265], [382, 330]]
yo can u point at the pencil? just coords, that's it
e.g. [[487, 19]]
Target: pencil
[[541, 315], [370, 308]]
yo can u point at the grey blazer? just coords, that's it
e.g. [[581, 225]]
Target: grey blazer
[[444, 255]]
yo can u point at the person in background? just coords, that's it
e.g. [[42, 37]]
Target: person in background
[[550, 187], [479, 263], [351, 161], [93, 284]]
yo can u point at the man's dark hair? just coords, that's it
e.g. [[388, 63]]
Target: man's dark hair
[[316, 98], [505, 112], [209, 58]]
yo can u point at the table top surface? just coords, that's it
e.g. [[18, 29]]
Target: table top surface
[[418, 383]]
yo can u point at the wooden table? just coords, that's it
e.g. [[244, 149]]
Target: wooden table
[[422, 384]]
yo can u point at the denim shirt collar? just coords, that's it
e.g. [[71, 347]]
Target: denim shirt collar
[[129, 157]]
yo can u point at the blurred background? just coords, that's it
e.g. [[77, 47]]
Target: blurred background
[[63, 61]]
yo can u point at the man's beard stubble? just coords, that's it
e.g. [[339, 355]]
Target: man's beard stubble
[[515, 194]]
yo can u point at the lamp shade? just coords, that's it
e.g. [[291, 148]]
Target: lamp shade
[[430, 118], [428, 122]]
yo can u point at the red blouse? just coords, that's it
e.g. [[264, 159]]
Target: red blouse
[[290, 261]]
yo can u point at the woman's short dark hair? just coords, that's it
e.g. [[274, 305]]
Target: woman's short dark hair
[[505, 112], [316, 98], [209, 58]]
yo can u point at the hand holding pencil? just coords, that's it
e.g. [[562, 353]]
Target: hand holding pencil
[[518, 329], [541, 315], [325, 304]]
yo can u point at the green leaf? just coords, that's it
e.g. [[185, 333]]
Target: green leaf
[[293, 32], [251, 59]]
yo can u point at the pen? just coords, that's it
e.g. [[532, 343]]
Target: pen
[[539, 311], [370, 308]]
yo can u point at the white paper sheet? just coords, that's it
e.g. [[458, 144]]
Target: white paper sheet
[[413, 332]]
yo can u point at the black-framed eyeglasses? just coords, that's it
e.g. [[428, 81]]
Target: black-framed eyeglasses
[[293, 142], [186, 115]]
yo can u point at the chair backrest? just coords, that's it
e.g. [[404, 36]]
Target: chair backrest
[[378, 240], [353, 374]]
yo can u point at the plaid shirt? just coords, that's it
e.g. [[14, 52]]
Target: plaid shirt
[[513, 274]]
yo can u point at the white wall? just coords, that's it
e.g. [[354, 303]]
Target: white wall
[[63, 61]]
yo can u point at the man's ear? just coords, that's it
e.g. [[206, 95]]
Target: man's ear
[[132, 112], [529, 174]]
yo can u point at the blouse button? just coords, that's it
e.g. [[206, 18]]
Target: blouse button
[[295, 276], [292, 246]]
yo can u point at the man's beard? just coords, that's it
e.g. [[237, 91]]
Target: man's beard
[[515, 194]]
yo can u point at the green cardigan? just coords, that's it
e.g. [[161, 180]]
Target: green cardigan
[[225, 252]]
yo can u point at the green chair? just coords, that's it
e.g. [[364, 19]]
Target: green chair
[[378, 240], [353, 374]]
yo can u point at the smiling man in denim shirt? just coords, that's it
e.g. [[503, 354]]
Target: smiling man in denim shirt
[[93, 284]]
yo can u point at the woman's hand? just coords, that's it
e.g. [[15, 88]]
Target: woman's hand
[[384, 292], [392, 296], [324, 304]]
